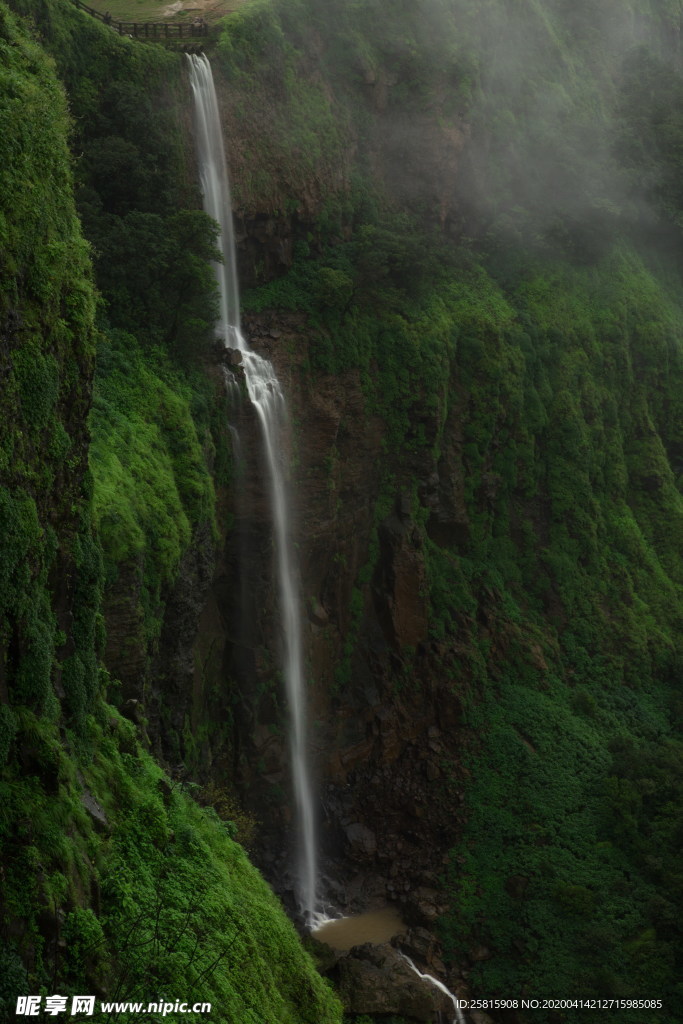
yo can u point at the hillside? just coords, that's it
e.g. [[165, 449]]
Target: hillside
[[114, 880], [459, 241]]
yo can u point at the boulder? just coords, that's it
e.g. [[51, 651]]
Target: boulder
[[376, 979], [361, 839]]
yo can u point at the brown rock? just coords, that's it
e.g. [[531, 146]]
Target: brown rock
[[376, 979], [420, 943], [362, 840], [317, 613], [232, 356]]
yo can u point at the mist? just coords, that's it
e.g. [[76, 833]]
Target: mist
[[534, 103]]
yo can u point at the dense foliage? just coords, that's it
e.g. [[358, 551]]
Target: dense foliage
[[114, 881], [46, 312], [513, 304]]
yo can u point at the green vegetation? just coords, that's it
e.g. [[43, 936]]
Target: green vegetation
[[486, 210], [134, 188], [584, 644], [152, 489], [114, 879], [569, 393], [176, 906], [46, 317]]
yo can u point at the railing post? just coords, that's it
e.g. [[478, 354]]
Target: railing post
[[146, 29]]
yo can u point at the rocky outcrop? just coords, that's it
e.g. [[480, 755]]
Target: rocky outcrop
[[126, 650], [171, 697], [401, 581], [378, 980], [382, 712]]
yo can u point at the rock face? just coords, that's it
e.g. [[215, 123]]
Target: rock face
[[383, 715], [126, 651], [382, 750], [381, 703], [401, 580], [376, 979], [172, 698]]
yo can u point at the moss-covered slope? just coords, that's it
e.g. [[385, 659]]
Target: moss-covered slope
[[114, 881]]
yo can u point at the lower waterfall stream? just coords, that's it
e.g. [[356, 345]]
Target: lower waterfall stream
[[267, 397], [459, 1017]]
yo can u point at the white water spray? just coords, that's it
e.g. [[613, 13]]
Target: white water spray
[[459, 1015], [268, 399]]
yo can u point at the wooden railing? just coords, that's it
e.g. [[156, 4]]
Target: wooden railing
[[153, 30]]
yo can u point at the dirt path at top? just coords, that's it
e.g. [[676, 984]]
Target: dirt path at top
[[209, 9]]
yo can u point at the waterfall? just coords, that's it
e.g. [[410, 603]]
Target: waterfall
[[459, 1017], [266, 395]]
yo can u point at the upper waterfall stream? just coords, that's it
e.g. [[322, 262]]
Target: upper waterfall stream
[[266, 395]]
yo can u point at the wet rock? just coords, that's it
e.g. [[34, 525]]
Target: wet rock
[[51, 922], [232, 356], [404, 505], [480, 953], [325, 956], [165, 790], [401, 600], [652, 482], [419, 943], [37, 759], [271, 753], [171, 691], [317, 613], [490, 486], [362, 840], [126, 650], [133, 710], [378, 751], [428, 904], [376, 979], [96, 812]]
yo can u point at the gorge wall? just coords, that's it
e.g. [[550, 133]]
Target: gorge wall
[[115, 882], [468, 282], [456, 293]]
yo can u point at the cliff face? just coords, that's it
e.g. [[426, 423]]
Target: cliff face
[[484, 442], [375, 740], [484, 383], [46, 313], [114, 881]]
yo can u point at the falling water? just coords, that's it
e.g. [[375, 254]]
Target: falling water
[[459, 1015], [267, 398]]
